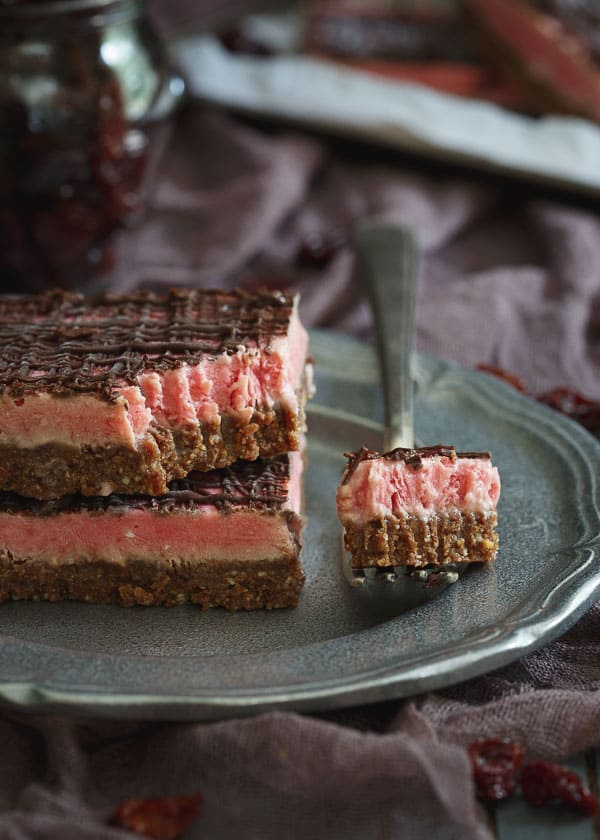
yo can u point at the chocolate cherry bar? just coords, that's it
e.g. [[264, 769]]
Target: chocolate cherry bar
[[227, 538], [127, 392], [419, 507], [549, 48]]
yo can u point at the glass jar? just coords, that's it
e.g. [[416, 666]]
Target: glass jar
[[82, 83]]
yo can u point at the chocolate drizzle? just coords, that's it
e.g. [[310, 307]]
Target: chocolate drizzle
[[261, 486], [413, 458], [61, 343]]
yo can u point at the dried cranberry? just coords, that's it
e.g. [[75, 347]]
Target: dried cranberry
[[318, 248], [511, 378], [574, 405], [496, 763], [159, 819], [542, 782], [120, 179], [257, 284], [235, 40], [110, 121]]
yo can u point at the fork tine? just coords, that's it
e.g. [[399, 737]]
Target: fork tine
[[358, 578], [374, 576], [419, 574]]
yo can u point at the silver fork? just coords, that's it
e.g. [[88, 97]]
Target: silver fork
[[388, 262]]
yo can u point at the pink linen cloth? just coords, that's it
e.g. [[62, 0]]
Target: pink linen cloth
[[509, 279]]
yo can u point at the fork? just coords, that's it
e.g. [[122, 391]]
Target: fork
[[388, 262]]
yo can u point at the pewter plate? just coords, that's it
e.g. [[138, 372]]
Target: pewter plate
[[339, 648]]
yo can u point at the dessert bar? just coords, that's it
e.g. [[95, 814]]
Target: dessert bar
[[549, 48], [419, 507], [127, 392], [423, 42], [227, 538]]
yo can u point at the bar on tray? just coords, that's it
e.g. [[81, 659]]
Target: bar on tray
[[128, 392]]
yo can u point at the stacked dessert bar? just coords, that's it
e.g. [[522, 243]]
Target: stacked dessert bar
[[150, 448]]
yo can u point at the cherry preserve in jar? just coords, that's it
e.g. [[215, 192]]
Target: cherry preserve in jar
[[84, 84]]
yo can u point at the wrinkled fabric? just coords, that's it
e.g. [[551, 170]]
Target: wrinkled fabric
[[279, 775], [507, 279]]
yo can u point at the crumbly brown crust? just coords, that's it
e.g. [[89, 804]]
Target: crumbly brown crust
[[410, 540], [248, 585], [261, 486], [54, 470]]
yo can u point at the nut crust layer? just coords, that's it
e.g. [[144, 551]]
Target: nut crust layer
[[410, 540], [248, 585]]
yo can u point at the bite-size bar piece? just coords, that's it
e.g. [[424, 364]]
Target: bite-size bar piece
[[419, 507], [125, 393], [228, 538]]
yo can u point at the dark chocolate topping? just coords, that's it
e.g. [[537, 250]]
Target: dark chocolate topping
[[261, 486], [60, 342], [411, 457]]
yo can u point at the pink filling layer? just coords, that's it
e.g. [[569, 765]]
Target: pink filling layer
[[381, 488], [203, 535], [39, 418], [187, 396]]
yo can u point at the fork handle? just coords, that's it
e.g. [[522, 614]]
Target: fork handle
[[389, 264]]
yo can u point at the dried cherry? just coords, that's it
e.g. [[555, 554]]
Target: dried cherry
[[511, 378], [574, 405], [235, 40], [543, 782], [496, 763], [318, 248], [158, 819], [566, 400]]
